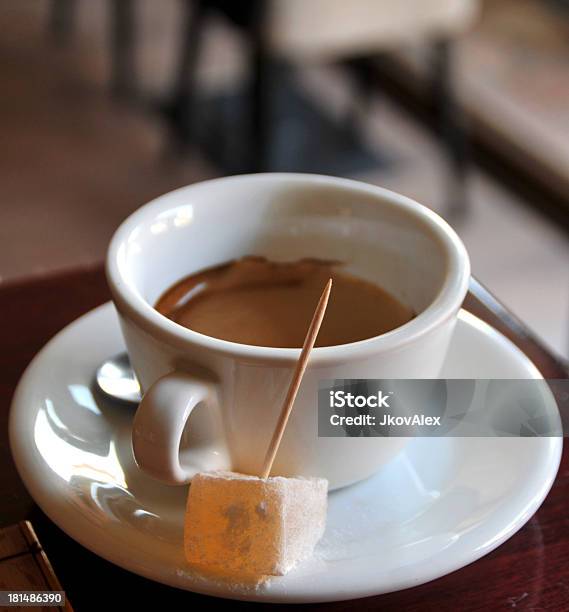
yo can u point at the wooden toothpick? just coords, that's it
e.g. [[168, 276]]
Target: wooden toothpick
[[299, 370]]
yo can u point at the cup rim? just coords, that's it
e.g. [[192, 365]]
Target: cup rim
[[445, 304]]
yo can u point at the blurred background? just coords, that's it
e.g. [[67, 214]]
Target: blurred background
[[460, 104]]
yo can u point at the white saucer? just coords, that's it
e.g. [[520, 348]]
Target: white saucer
[[440, 505]]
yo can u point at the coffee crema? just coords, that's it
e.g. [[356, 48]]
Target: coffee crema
[[263, 303]]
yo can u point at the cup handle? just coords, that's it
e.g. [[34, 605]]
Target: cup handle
[[160, 422]]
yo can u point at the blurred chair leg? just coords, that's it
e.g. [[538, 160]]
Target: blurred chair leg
[[259, 94], [365, 88], [61, 20], [452, 127], [123, 71], [259, 111], [179, 109]]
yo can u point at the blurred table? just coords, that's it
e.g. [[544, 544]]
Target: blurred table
[[529, 572]]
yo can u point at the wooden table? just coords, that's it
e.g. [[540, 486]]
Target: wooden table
[[529, 572]]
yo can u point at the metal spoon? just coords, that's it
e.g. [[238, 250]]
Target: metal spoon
[[115, 378]]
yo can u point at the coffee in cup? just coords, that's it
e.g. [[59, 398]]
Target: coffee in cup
[[259, 302]]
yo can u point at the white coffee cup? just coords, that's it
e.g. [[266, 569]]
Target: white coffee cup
[[213, 404]]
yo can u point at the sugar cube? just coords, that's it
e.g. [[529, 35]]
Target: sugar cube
[[249, 526]]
